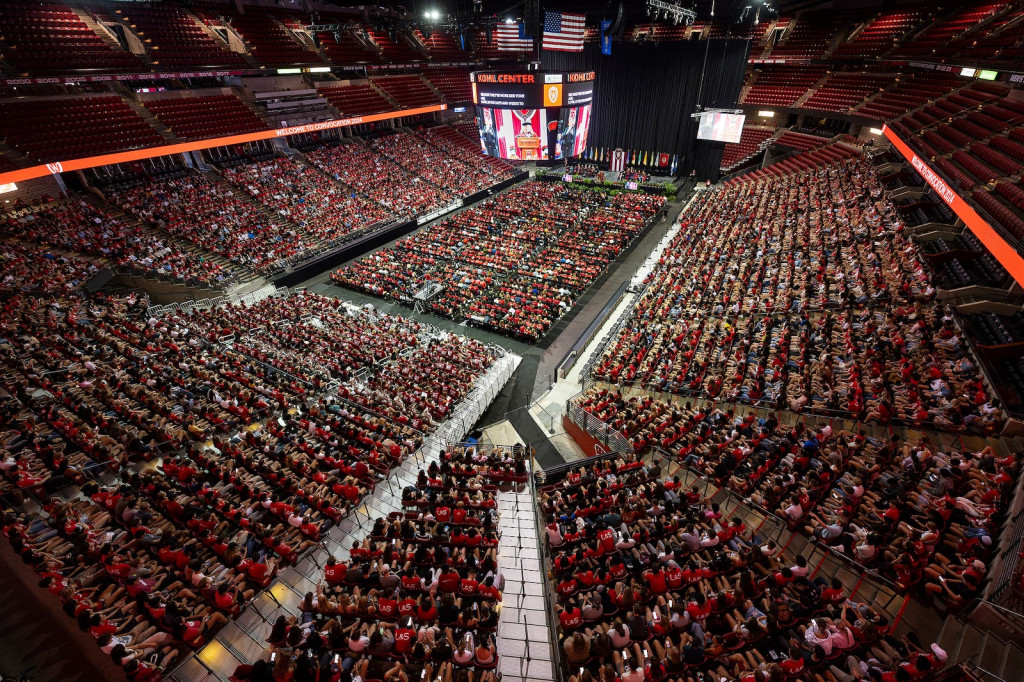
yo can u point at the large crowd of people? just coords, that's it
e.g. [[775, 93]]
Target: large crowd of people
[[802, 292], [431, 164], [417, 596], [250, 446], [380, 178], [514, 263], [73, 225], [215, 216], [324, 210], [652, 582], [875, 501], [33, 267]]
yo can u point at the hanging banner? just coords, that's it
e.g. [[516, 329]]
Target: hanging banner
[[55, 167], [606, 37]]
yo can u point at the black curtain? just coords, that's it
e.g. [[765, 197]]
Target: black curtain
[[645, 93]]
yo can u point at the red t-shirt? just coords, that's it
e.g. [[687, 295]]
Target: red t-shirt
[[335, 574], [571, 619]]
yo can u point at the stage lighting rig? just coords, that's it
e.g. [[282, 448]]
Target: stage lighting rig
[[670, 10]]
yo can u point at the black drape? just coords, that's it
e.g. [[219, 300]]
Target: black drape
[[645, 93]]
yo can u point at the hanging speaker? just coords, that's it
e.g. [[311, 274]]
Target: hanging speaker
[[618, 26], [531, 18]]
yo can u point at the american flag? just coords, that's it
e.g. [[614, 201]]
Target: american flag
[[563, 31], [512, 38]]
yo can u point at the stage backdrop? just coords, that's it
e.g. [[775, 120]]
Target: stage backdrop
[[646, 92]]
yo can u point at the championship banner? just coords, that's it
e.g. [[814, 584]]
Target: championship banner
[[54, 167]]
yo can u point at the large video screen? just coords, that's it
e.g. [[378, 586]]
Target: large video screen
[[573, 129], [516, 134], [721, 127]]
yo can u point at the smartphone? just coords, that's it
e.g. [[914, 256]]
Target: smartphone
[[423, 675], [336, 659], [670, 603], [581, 670], [273, 656]]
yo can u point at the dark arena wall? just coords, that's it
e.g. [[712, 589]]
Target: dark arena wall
[[645, 93]]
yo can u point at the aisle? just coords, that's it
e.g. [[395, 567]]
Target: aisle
[[524, 642]]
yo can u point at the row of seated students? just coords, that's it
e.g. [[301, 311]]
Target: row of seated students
[[514, 263], [321, 208], [653, 583], [31, 267], [433, 166], [909, 509], [801, 292], [215, 216], [76, 226], [380, 178], [418, 595], [102, 386]]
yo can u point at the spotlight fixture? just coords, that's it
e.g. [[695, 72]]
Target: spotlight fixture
[[510, 20], [671, 10]]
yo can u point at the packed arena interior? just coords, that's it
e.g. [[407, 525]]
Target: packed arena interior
[[654, 341]]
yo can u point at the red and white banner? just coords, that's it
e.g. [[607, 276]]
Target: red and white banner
[[45, 169], [1004, 252], [618, 160]]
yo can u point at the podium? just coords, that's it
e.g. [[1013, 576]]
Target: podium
[[529, 147]]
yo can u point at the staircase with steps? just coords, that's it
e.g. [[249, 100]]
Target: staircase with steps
[[223, 44], [977, 648], [810, 92], [99, 29], [380, 91], [433, 89], [154, 122]]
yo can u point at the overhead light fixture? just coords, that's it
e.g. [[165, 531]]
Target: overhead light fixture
[[661, 9]]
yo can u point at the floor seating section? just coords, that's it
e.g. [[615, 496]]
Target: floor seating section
[[715, 550], [217, 515], [514, 263]]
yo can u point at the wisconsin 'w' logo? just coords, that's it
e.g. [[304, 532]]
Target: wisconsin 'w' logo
[[56, 167]]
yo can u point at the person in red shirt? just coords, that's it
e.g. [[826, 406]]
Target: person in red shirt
[[387, 609], [334, 572], [449, 581], [570, 617], [567, 587], [404, 638], [655, 579]]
